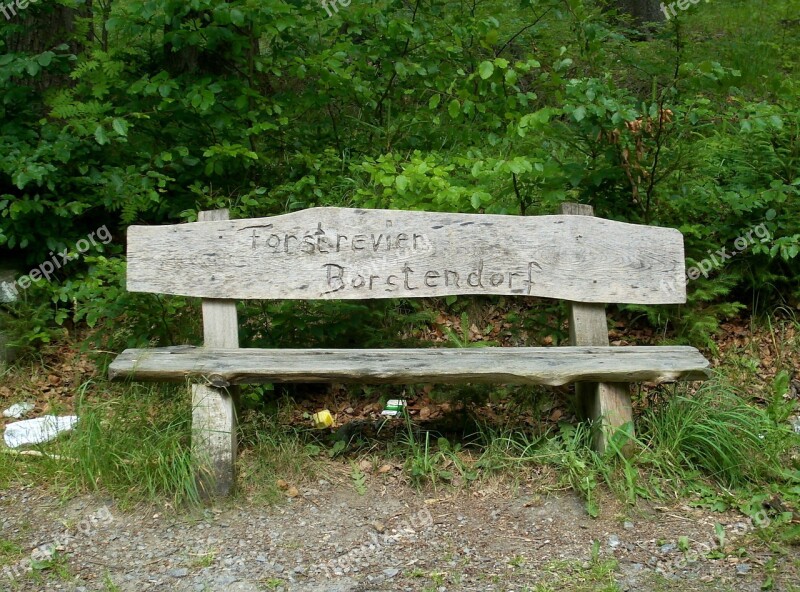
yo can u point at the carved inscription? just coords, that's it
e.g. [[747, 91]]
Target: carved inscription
[[411, 277], [331, 241]]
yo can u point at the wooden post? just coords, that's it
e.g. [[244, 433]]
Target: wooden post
[[214, 409], [608, 405]]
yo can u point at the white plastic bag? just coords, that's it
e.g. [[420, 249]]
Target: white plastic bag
[[37, 431], [18, 410]]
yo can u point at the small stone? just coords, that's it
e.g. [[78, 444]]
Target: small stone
[[668, 547], [743, 569], [178, 572], [628, 525], [613, 541], [226, 580], [378, 526], [636, 567], [390, 572]]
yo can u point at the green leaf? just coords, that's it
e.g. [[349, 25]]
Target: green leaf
[[100, 135], [41, 565], [454, 108], [579, 114], [401, 181], [237, 17], [120, 126], [46, 58], [434, 101], [486, 69]]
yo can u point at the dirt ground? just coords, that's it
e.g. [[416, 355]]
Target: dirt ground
[[331, 539]]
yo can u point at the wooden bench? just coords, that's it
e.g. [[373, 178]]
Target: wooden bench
[[340, 253]]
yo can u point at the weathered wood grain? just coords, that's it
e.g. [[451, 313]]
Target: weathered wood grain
[[607, 404], [350, 254], [503, 365], [214, 444]]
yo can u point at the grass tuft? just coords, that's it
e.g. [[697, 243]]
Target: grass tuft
[[135, 445], [717, 432]]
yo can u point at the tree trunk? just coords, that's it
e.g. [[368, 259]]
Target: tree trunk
[[44, 29], [642, 11]]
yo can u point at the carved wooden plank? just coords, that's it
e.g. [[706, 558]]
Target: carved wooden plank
[[348, 254], [506, 365], [608, 405], [213, 409]]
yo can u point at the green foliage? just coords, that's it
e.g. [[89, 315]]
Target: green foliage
[[572, 453], [151, 110], [462, 337], [359, 479], [29, 323]]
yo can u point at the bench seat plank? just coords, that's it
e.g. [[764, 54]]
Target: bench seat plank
[[506, 365]]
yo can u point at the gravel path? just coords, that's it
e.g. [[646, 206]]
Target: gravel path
[[331, 539]]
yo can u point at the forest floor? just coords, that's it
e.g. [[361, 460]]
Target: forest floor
[[356, 523], [330, 538]]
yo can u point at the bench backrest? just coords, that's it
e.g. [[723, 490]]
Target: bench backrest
[[343, 253]]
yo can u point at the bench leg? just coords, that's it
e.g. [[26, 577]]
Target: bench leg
[[214, 439], [608, 405]]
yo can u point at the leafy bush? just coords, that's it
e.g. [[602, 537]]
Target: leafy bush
[[270, 107]]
